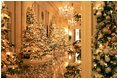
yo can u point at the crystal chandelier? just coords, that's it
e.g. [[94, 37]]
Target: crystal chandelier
[[66, 10]]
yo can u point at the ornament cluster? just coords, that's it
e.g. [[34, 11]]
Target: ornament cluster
[[105, 42]]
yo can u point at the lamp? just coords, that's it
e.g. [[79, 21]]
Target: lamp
[[66, 10]]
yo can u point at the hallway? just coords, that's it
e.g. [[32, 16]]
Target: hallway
[[59, 39]]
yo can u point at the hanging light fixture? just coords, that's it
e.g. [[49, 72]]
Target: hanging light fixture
[[66, 10]]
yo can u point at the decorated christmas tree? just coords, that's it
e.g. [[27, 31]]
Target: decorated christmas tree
[[72, 71], [59, 44], [105, 42], [34, 37], [58, 39], [9, 60]]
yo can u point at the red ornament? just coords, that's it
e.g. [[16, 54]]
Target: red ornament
[[108, 27]]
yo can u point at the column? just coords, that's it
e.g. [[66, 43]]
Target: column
[[10, 5], [86, 54], [18, 23]]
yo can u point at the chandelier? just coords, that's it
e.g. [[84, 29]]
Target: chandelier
[[66, 10]]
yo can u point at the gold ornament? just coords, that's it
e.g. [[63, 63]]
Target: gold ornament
[[106, 31], [98, 51], [113, 34], [101, 62], [105, 64], [98, 57], [106, 50], [98, 69], [100, 36], [108, 69], [101, 46], [95, 65], [115, 75], [109, 39], [113, 52], [99, 6], [107, 59], [114, 39], [104, 14], [97, 75], [99, 13]]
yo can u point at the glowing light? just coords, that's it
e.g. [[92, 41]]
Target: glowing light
[[70, 33], [79, 61], [66, 64], [8, 53], [66, 10], [66, 30], [70, 56]]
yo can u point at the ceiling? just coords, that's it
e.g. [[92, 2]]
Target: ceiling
[[76, 4]]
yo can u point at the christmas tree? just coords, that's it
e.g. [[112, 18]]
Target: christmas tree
[[58, 39], [9, 60], [34, 38], [105, 43], [72, 71]]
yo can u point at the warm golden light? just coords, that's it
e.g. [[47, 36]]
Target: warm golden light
[[79, 61], [66, 30], [70, 33], [70, 56], [66, 64], [8, 53], [66, 10]]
